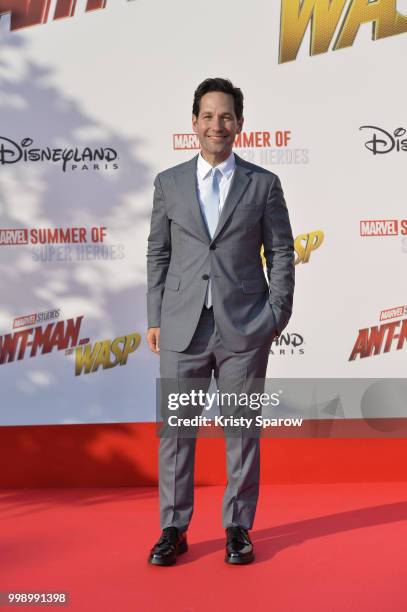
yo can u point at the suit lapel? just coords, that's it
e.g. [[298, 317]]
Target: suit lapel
[[188, 188], [240, 182], [187, 185]]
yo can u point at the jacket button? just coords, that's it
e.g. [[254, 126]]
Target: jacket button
[[212, 247], [205, 277]]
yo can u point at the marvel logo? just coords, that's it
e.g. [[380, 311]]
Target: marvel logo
[[185, 141], [13, 236], [24, 321], [393, 313], [379, 227]]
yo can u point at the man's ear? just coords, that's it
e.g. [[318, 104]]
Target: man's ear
[[194, 121], [240, 125]]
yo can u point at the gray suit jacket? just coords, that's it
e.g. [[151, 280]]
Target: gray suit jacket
[[181, 257]]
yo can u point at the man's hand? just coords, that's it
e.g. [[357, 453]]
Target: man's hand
[[153, 339]]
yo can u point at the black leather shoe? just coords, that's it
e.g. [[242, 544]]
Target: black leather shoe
[[171, 544], [239, 548]]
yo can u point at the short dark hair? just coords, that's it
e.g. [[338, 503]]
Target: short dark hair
[[218, 84]]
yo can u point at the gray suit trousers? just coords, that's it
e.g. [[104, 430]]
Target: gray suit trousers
[[233, 371]]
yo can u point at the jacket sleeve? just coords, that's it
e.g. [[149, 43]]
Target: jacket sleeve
[[279, 253], [158, 255]]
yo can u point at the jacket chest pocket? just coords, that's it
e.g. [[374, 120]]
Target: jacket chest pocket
[[248, 215]]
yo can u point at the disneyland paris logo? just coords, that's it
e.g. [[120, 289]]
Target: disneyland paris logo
[[101, 158], [381, 142], [288, 344]]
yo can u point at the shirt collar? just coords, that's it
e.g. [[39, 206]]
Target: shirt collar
[[226, 167]]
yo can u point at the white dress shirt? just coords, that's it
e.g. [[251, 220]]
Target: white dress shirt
[[203, 170], [203, 174]]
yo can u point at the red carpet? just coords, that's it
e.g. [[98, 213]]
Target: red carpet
[[331, 547], [126, 455]]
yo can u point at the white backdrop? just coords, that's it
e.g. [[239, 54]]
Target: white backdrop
[[123, 78]]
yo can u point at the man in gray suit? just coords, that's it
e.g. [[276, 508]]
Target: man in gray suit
[[210, 309]]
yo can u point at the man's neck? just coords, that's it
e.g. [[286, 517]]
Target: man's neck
[[215, 160]]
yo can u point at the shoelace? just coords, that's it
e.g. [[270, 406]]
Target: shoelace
[[237, 535], [169, 536]]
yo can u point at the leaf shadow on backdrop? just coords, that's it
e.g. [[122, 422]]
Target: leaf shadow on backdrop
[[110, 294]]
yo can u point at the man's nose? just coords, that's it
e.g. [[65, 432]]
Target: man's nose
[[217, 124]]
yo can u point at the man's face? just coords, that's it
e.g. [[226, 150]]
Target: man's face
[[216, 125]]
